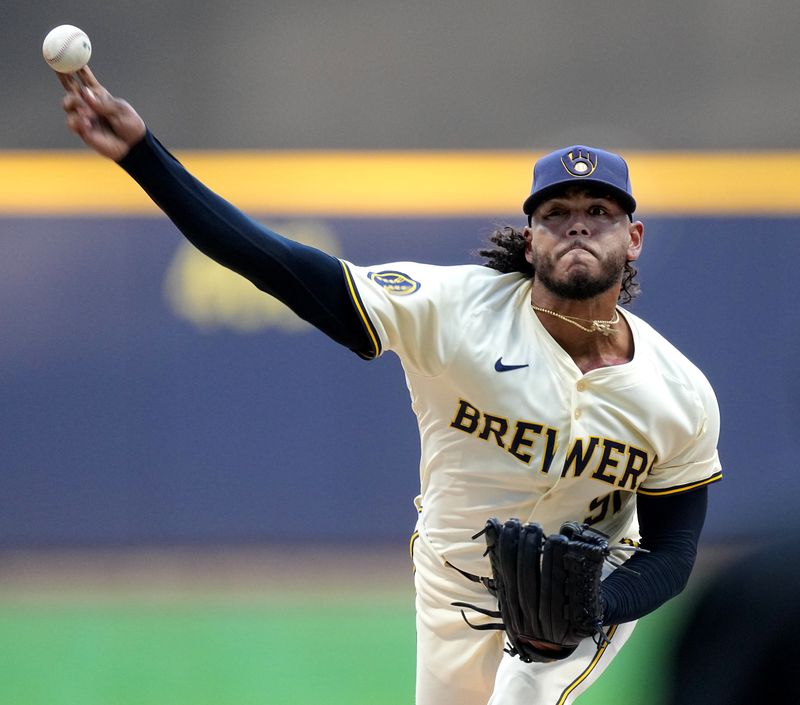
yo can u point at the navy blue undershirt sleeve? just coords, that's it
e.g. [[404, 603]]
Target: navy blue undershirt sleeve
[[312, 283], [670, 527]]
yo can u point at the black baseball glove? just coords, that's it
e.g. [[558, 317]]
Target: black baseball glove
[[547, 588]]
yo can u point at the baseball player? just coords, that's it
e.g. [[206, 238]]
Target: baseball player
[[536, 395]]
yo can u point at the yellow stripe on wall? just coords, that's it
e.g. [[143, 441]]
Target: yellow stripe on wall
[[396, 183]]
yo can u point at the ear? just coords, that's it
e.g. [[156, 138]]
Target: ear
[[528, 234], [636, 232]]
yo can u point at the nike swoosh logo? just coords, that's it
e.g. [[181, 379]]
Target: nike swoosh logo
[[500, 367]]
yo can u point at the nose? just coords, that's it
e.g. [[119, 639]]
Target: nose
[[578, 229]]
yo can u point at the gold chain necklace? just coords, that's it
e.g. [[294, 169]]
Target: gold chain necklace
[[602, 327]]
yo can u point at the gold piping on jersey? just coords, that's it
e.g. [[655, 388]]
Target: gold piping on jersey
[[682, 488], [411, 543], [582, 677], [359, 306]]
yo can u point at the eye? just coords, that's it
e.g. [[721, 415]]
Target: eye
[[598, 210]]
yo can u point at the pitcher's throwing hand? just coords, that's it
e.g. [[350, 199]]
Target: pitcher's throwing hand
[[109, 125]]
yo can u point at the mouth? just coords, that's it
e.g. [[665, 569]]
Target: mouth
[[578, 245]]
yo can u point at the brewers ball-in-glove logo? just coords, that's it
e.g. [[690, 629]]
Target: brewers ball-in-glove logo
[[580, 162], [395, 283]]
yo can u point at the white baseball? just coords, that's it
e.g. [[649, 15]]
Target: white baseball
[[66, 48]]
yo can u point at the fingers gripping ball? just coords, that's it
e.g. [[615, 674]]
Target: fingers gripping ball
[[66, 48]]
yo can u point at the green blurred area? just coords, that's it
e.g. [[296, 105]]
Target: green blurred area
[[340, 650]]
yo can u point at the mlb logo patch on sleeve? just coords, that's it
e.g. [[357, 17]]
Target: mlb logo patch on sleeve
[[395, 283]]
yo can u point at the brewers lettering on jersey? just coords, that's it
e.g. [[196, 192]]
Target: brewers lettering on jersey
[[537, 395]]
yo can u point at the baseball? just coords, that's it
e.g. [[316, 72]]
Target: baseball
[[66, 48]]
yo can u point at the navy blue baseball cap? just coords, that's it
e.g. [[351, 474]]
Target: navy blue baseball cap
[[580, 164]]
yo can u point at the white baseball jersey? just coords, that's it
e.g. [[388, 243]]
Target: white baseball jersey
[[510, 426]]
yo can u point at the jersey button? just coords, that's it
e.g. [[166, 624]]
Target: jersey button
[[577, 413], [581, 386]]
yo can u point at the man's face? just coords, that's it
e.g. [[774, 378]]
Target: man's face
[[579, 242]]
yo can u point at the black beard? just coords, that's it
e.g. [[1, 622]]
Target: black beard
[[581, 286]]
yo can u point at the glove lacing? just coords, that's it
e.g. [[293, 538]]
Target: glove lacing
[[598, 635]]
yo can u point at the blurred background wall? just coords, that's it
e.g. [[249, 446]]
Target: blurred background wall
[[461, 74], [151, 397]]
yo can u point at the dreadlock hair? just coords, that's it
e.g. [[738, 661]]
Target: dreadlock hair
[[509, 256]]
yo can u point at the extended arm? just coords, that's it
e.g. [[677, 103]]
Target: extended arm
[[309, 281], [670, 527]]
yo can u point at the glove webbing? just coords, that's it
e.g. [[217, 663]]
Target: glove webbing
[[520, 568]]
